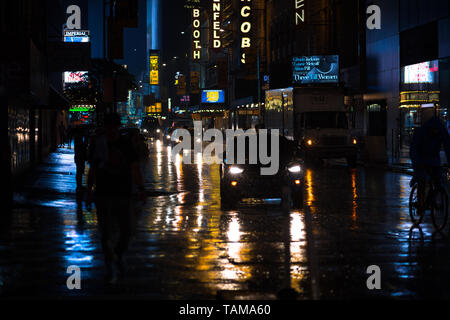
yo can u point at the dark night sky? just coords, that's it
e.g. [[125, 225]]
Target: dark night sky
[[175, 19]]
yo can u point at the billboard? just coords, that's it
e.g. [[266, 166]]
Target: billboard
[[74, 77], [213, 96], [425, 72], [315, 69], [155, 108], [154, 68]]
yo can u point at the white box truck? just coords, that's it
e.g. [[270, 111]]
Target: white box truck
[[315, 119]]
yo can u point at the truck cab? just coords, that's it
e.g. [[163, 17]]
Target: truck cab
[[325, 135], [316, 119]]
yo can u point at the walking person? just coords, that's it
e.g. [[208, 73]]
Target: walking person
[[113, 170], [80, 147]]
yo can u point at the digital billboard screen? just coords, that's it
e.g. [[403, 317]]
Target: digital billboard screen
[[74, 77], [425, 72], [315, 69], [213, 96]]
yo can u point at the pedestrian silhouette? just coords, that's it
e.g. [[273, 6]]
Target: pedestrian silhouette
[[114, 168], [80, 147]]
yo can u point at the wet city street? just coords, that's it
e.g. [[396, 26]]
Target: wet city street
[[186, 247]]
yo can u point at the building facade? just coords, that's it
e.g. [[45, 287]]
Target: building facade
[[407, 69]]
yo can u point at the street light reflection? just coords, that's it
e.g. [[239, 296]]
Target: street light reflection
[[77, 247], [159, 156], [297, 250], [354, 201], [233, 232], [309, 186]]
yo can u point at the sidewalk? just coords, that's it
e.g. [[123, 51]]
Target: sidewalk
[[51, 181], [50, 229], [47, 232]]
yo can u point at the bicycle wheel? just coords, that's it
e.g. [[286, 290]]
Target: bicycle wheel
[[439, 208], [416, 218]]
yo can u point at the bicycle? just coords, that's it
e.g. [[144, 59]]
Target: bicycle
[[435, 200]]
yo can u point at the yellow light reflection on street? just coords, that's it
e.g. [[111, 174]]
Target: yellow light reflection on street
[[159, 156], [199, 163], [233, 232], [309, 186], [179, 167], [297, 250], [354, 201]]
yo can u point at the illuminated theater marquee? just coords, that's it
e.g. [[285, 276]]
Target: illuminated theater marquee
[[196, 34], [246, 27], [216, 22]]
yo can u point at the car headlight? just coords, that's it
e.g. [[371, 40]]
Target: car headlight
[[158, 131], [236, 170], [295, 169]]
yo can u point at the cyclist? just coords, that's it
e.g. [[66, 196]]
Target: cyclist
[[425, 153]]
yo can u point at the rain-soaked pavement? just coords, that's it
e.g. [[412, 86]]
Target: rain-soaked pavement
[[186, 247]]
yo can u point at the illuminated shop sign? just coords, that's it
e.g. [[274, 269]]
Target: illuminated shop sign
[[216, 22], [154, 109], [419, 97], [154, 69], [213, 96], [246, 27], [299, 10], [82, 108], [196, 34], [75, 77], [425, 72], [77, 36], [315, 69]]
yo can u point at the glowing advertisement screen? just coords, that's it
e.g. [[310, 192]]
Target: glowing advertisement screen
[[74, 77], [315, 69], [154, 69], [425, 72], [213, 96]]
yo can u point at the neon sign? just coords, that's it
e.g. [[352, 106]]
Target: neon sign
[[299, 9], [76, 36], [196, 34], [246, 27], [154, 69], [216, 22]]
